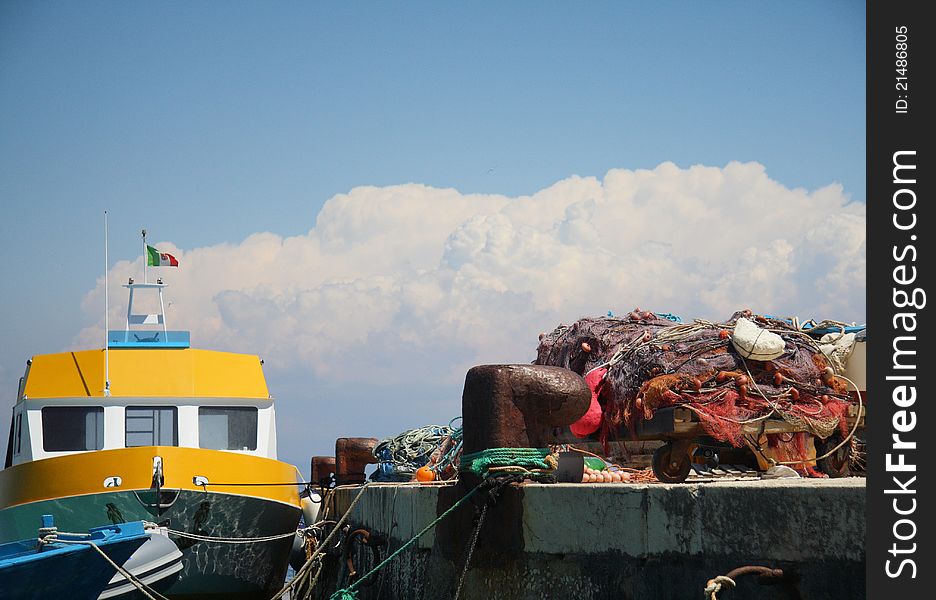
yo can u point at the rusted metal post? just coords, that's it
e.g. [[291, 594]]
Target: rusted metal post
[[352, 455], [506, 406], [764, 575], [519, 406], [323, 467]]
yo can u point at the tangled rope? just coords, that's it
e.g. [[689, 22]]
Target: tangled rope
[[435, 445]]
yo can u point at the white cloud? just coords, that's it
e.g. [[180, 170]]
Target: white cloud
[[409, 281]]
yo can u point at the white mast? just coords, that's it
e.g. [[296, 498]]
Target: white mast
[[106, 307], [137, 338]]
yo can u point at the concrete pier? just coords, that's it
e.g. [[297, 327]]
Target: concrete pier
[[621, 541]]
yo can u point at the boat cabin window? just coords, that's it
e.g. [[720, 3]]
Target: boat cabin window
[[223, 428], [151, 426], [9, 453], [19, 434], [70, 428]]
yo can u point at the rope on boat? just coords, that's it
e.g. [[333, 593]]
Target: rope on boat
[[250, 484], [231, 540], [144, 589]]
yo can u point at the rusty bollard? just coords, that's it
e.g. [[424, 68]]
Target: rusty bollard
[[519, 406], [352, 455], [323, 467], [506, 406]]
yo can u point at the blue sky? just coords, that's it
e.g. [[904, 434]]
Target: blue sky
[[209, 122]]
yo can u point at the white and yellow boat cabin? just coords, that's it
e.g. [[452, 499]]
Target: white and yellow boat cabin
[[183, 397]]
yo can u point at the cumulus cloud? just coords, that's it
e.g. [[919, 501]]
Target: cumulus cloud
[[410, 281]]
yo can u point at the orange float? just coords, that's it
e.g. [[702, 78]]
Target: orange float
[[424, 474]]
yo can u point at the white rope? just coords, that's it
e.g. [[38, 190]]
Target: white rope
[[231, 540], [306, 531], [851, 434]]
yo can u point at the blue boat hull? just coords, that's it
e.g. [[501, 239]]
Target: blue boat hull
[[75, 572], [232, 572]]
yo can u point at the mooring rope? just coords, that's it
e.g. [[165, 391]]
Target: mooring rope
[[535, 461], [350, 592], [498, 466], [231, 540], [304, 570], [470, 552], [144, 589]]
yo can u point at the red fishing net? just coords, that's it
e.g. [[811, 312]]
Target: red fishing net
[[653, 362]]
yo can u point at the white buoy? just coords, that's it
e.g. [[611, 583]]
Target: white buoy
[[755, 343]]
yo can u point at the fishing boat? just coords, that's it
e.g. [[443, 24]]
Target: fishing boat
[[149, 428], [55, 564]]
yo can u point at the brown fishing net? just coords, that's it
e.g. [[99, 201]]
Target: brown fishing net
[[653, 362]]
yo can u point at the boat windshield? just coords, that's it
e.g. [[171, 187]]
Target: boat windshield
[[151, 426], [227, 428], [140, 338], [72, 428]]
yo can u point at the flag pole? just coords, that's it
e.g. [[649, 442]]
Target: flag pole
[[144, 257], [106, 322]]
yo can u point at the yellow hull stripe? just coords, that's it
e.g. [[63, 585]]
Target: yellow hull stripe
[[86, 473]]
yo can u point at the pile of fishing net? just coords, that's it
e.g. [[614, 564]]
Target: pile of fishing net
[[745, 370], [426, 453]]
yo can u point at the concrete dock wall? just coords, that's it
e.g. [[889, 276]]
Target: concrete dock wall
[[590, 541]]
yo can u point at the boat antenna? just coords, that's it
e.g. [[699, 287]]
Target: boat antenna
[[144, 257], [106, 307]]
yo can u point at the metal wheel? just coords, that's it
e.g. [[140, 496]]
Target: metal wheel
[[671, 465], [836, 464]]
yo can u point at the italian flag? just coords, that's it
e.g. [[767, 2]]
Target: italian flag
[[155, 258]]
